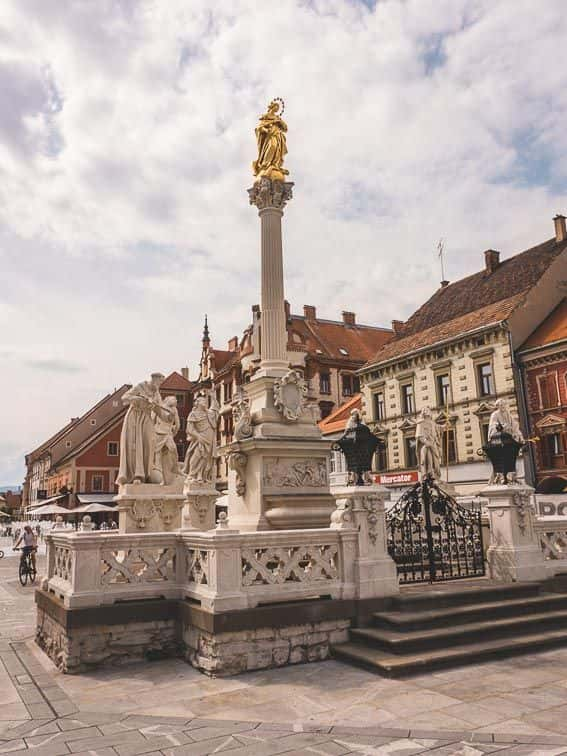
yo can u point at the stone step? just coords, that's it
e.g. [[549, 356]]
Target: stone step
[[447, 594], [398, 642], [395, 665], [453, 615]]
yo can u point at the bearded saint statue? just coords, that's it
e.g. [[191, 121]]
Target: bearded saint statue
[[138, 437], [271, 139], [202, 436], [501, 421]]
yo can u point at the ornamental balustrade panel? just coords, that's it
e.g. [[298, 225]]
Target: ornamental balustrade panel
[[552, 537], [63, 563], [137, 565]]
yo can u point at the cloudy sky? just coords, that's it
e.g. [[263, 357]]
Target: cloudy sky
[[126, 136]]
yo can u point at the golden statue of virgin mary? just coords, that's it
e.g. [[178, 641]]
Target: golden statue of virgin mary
[[270, 136]]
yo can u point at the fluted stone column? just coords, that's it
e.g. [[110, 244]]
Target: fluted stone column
[[270, 197]]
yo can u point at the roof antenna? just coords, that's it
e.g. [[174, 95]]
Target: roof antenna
[[440, 255]]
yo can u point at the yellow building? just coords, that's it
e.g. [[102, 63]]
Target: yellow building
[[456, 355]]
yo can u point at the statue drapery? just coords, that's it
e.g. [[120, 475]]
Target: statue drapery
[[272, 147]]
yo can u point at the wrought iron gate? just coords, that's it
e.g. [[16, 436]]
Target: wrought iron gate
[[432, 538]]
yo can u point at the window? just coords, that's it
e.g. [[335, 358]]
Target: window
[[485, 379], [97, 483], [443, 389], [449, 448], [326, 408], [411, 451], [228, 391], [381, 458], [552, 450], [180, 451], [548, 395], [350, 384], [112, 449], [180, 399], [325, 383], [68, 444], [379, 406], [484, 431], [408, 399], [93, 421], [218, 394]]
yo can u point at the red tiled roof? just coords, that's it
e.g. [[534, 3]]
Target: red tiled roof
[[472, 302], [338, 419], [324, 338], [512, 276], [553, 328], [176, 382], [493, 313]]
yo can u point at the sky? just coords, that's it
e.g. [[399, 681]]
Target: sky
[[126, 137]]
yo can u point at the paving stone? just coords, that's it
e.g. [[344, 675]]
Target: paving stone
[[438, 734], [24, 680], [71, 722], [226, 723], [35, 741], [54, 693], [208, 733], [30, 695], [39, 710], [98, 752], [153, 744], [217, 745], [119, 738], [32, 727], [139, 720], [63, 708], [11, 745]]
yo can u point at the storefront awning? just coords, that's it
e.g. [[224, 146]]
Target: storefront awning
[[96, 498]]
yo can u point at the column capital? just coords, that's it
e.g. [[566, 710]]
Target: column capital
[[269, 193]]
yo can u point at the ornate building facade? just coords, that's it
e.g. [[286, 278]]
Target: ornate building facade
[[456, 355], [328, 353], [543, 362]]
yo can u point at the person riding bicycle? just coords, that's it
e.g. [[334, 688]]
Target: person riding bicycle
[[30, 544]]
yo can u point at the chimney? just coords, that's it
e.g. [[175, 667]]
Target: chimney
[[310, 312], [491, 260], [349, 318], [287, 311], [444, 284], [233, 344], [185, 373], [397, 326], [560, 230]]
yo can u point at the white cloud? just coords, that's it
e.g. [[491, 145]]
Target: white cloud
[[125, 150]]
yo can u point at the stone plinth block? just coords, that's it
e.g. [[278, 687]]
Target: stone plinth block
[[149, 507], [514, 553], [362, 508], [199, 511], [279, 484]]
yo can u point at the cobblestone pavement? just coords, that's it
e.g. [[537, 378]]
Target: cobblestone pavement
[[103, 712]]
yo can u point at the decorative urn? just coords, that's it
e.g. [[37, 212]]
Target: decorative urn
[[358, 444]]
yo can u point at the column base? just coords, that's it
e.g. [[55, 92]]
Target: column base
[[511, 564], [149, 507], [199, 512]]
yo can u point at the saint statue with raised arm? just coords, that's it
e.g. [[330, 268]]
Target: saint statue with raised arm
[[138, 437], [166, 427]]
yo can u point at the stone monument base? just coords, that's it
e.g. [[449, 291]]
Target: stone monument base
[[149, 507], [199, 507]]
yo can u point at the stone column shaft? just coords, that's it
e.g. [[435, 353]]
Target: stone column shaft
[[273, 347]]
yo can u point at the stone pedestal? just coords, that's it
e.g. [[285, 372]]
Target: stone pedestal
[[199, 511], [514, 553], [362, 508], [149, 507]]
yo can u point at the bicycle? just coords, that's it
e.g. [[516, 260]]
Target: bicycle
[[26, 569]]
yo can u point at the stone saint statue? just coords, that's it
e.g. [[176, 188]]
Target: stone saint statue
[[166, 427], [138, 438], [270, 136], [428, 445], [202, 424], [501, 421]]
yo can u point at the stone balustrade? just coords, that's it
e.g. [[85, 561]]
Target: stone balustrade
[[222, 570], [552, 537]]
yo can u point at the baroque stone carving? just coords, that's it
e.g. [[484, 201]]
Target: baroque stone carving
[[295, 473], [293, 564], [167, 512], [141, 512], [242, 417], [198, 566], [267, 193], [202, 424], [428, 445], [238, 461], [290, 395], [137, 565], [523, 504], [370, 505]]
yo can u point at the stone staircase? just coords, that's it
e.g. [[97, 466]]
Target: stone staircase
[[428, 629]]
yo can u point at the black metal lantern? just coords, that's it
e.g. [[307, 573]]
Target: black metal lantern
[[502, 450], [358, 444]]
